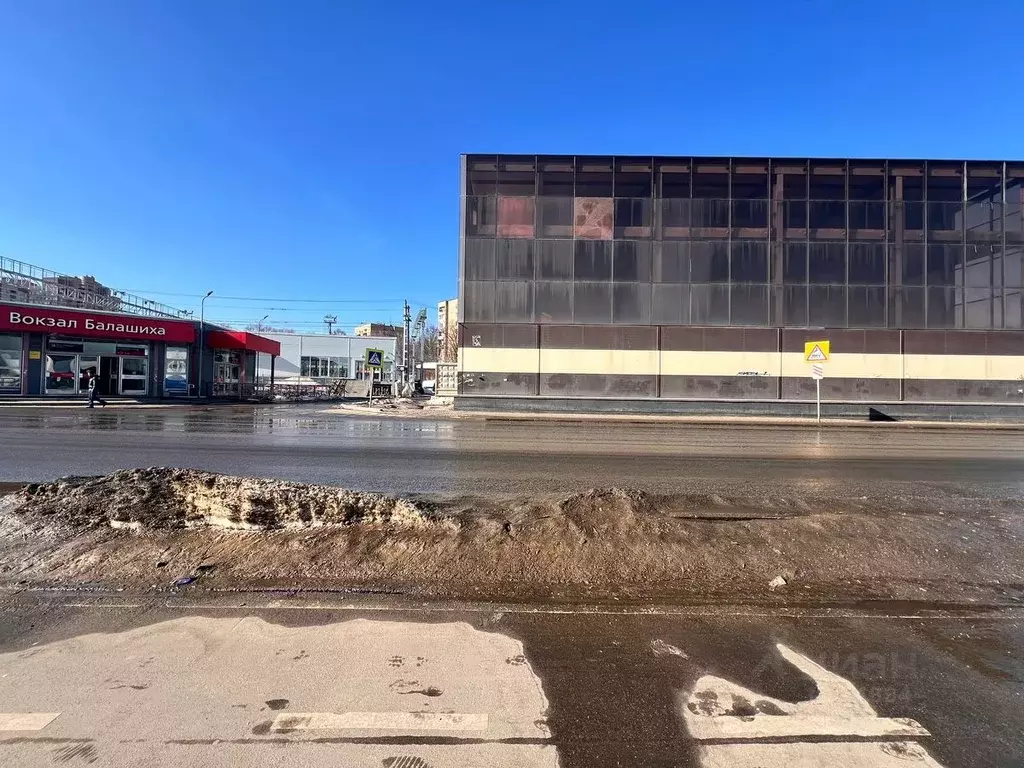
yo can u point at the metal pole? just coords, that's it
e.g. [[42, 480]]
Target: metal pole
[[202, 337], [406, 375], [817, 387]]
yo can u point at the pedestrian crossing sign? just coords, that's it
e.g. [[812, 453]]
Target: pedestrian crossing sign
[[375, 358], [816, 351]]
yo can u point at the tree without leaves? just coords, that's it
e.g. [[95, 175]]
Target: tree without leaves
[[430, 346]]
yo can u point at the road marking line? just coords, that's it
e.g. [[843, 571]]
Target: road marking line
[[26, 721], [404, 721], [778, 726]]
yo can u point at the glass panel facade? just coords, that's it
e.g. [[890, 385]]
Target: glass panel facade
[[747, 242], [324, 367], [10, 362]]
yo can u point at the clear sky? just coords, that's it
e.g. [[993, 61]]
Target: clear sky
[[309, 149]]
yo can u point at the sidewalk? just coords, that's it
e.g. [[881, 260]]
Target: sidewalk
[[113, 403]]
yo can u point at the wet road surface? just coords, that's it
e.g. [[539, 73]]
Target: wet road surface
[[207, 680], [305, 443]]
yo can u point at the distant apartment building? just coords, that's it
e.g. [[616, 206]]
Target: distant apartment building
[[379, 329], [448, 331]]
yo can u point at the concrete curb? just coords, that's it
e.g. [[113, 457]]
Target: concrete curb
[[765, 421]]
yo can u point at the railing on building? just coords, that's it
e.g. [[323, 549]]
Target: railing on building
[[28, 284]]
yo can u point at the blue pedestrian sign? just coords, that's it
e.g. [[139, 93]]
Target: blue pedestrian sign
[[375, 358]]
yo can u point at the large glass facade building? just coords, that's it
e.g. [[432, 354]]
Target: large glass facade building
[[713, 271]]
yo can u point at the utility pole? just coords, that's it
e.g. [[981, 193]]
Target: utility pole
[[406, 372], [329, 321]]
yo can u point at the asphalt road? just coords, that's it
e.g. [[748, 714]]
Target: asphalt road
[[306, 443], [208, 681]]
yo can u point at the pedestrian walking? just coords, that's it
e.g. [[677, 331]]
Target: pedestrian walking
[[94, 395]]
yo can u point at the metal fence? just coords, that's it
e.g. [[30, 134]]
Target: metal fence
[[29, 284]]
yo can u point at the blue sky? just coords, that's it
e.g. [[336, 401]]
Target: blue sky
[[309, 149]]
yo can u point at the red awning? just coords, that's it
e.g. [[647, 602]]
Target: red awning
[[242, 340]]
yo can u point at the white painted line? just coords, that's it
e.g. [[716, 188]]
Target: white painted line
[[373, 721], [790, 726], [26, 721]]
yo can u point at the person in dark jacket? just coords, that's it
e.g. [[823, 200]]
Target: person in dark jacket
[[94, 395]]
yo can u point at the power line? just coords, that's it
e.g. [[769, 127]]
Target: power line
[[262, 298]]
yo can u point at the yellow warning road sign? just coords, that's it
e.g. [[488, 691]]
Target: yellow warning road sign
[[816, 351]]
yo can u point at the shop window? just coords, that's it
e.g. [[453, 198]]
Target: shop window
[[324, 367], [10, 362]]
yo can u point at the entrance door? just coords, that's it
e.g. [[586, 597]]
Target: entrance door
[[107, 384], [134, 376]]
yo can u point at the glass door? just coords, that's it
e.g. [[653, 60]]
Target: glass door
[[134, 376], [61, 374]]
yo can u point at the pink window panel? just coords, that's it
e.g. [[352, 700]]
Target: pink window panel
[[515, 217], [593, 217]]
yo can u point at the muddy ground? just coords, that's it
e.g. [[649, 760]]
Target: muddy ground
[[149, 529]]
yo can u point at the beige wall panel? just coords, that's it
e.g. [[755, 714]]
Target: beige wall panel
[[482, 359], [614, 361], [690, 363]]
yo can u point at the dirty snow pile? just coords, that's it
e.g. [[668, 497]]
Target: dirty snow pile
[[159, 498]]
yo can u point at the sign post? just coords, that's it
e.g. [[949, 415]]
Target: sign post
[[817, 352], [374, 361]]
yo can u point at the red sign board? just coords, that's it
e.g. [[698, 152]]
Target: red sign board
[[73, 322]]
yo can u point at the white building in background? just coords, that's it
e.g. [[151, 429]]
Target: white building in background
[[322, 359]]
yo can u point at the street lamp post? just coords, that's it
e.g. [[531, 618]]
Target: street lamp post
[[202, 337], [259, 325]]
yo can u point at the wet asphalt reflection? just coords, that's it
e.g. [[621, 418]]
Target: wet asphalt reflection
[[310, 444]]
